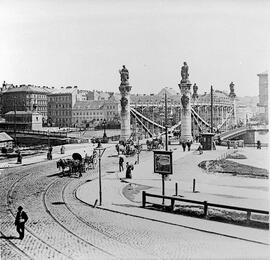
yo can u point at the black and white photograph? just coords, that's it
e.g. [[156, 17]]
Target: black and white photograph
[[134, 129]]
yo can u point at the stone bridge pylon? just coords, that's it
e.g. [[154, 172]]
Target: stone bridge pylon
[[124, 89], [184, 86]]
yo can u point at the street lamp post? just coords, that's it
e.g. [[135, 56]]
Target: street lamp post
[[104, 127], [100, 151], [15, 126]]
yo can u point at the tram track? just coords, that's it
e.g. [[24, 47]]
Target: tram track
[[102, 237], [15, 183], [60, 223], [36, 239]]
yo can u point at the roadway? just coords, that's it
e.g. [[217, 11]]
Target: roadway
[[62, 227]]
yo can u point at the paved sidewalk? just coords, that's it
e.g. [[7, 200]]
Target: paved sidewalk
[[243, 192], [56, 154], [230, 190]]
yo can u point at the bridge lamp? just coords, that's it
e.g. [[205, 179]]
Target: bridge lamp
[[104, 127], [100, 151]]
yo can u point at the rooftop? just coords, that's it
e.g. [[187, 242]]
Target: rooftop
[[5, 137], [263, 73], [27, 88], [64, 90]]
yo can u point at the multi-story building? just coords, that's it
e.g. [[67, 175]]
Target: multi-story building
[[93, 112], [88, 112], [112, 108], [25, 98], [60, 104], [82, 95], [263, 95]]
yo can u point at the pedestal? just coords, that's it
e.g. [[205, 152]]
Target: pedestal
[[186, 135], [125, 111]]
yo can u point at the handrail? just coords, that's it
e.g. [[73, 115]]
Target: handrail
[[205, 203], [40, 132]]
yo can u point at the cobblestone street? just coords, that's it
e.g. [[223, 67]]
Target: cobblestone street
[[62, 227]]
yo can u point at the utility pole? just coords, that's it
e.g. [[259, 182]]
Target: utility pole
[[166, 147], [211, 109], [15, 125], [166, 124]]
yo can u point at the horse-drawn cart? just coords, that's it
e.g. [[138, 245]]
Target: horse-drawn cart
[[77, 165]]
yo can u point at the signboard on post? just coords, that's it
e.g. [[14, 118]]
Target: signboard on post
[[163, 162]]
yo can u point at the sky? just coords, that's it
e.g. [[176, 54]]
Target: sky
[[84, 43]]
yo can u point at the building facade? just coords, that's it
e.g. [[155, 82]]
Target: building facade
[[22, 120], [94, 112], [24, 98], [263, 96], [60, 104]]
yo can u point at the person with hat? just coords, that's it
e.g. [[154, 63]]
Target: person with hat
[[21, 219]]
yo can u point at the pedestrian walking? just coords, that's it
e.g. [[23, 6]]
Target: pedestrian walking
[[49, 155], [121, 163], [19, 157], [184, 146], [259, 145], [189, 145], [228, 144], [129, 169], [20, 220], [62, 150]]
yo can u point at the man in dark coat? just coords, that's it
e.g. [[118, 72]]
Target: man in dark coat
[[121, 163], [20, 221], [188, 145], [184, 146], [129, 168], [19, 157]]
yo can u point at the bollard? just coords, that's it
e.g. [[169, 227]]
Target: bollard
[[143, 199], [176, 189], [205, 208], [248, 215], [194, 184], [172, 204]]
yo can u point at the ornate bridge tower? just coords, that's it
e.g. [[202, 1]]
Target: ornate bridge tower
[[125, 104], [184, 86]]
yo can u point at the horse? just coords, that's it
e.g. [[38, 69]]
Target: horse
[[130, 150], [121, 149], [77, 167], [64, 163], [90, 161]]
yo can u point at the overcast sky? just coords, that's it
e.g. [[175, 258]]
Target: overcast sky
[[85, 43]]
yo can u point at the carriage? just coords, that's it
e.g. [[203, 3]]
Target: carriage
[[154, 144], [128, 149], [77, 165]]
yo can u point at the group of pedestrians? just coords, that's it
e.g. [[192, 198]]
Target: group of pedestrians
[[129, 167], [186, 144]]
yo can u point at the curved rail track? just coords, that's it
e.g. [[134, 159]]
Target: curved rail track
[[47, 197]]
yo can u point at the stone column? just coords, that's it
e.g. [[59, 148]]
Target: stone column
[[185, 86], [124, 89], [232, 95]]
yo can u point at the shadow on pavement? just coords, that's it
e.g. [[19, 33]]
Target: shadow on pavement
[[55, 174], [58, 203], [9, 237]]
